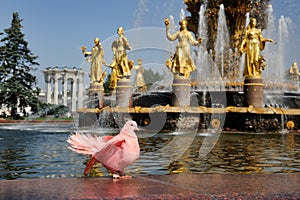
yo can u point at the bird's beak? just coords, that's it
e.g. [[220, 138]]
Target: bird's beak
[[137, 128]]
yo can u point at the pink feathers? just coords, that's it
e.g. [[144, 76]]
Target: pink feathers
[[86, 143], [115, 153]]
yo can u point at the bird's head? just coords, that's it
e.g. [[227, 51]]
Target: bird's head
[[130, 126]]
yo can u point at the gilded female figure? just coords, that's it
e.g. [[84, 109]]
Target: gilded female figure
[[294, 72], [139, 78], [181, 62], [120, 61], [96, 59], [252, 43]]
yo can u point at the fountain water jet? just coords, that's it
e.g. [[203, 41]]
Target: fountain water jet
[[222, 40], [219, 91], [276, 56], [182, 14]]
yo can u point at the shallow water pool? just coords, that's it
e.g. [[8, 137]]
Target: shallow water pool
[[40, 151]]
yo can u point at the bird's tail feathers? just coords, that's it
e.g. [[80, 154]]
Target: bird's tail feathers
[[86, 144]]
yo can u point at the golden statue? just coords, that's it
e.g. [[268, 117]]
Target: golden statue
[[294, 72], [139, 78], [120, 61], [181, 62], [113, 76], [95, 57], [252, 43]]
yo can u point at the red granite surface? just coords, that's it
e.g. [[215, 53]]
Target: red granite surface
[[177, 186]]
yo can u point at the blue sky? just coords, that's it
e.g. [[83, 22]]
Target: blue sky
[[56, 29]]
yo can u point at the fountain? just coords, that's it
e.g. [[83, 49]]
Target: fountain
[[208, 89], [212, 98]]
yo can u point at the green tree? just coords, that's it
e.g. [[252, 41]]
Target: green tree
[[17, 84], [151, 77], [107, 84]]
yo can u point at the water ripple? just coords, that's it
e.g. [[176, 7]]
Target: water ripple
[[43, 154]]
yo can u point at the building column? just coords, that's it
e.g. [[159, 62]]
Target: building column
[[49, 91], [80, 90], [65, 97], [74, 96], [55, 89]]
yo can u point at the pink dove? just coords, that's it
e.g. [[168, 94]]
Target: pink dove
[[114, 153]]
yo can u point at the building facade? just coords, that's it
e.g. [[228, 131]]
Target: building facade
[[65, 86]]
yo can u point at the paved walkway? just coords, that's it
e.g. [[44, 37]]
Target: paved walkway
[[177, 186]]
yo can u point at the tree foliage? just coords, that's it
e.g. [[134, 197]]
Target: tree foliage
[[17, 84], [151, 77]]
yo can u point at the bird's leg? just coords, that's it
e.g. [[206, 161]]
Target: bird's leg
[[120, 175], [123, 176], [116, 176]]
